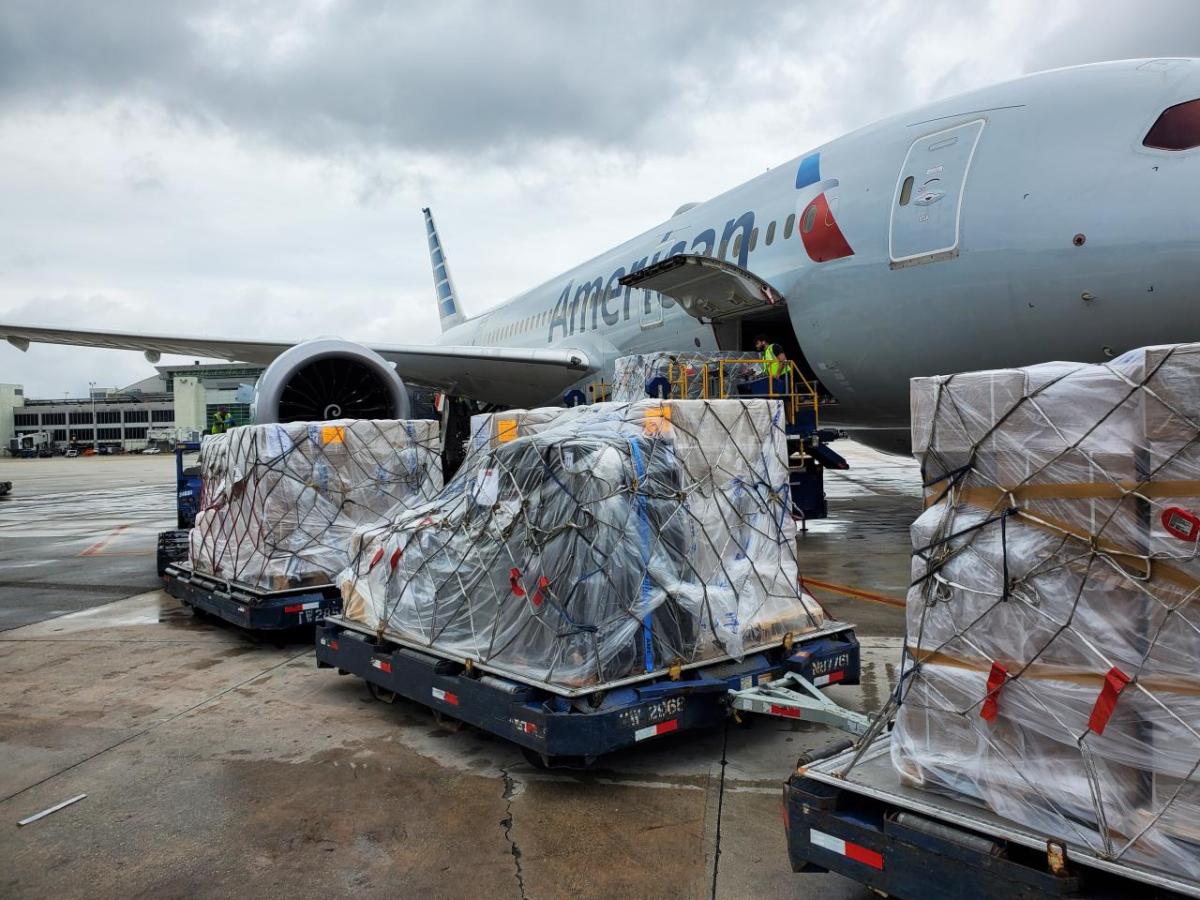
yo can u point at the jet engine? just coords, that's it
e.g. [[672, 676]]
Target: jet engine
[[329, 378]]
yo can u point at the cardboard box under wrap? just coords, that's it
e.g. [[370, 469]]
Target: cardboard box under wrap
[[280, 503], [1047, 590], [606, 542]]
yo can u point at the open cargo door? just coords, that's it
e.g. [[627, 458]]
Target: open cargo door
[[709, 289]]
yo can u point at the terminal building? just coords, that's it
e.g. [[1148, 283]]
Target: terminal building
[[175, 404]]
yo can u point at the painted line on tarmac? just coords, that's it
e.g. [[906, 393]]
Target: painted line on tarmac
[[95, 549], [855, 592]]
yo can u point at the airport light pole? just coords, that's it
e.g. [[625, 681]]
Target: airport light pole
[[95, 431]]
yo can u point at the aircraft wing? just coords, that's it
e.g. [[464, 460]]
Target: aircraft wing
[[506, 375]]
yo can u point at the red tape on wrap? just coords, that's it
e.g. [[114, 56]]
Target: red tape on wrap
[[991, 703], [1114, 682]]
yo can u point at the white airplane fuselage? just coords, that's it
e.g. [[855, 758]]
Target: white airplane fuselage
[[1036, 226]]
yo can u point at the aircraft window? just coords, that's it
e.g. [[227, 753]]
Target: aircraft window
[[906, 191], [770, 234], [1178, 128], [753, 239], [810, 216], [737, 245], [788, 225]]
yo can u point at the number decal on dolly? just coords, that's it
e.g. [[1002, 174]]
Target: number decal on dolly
[[830, 664], [651, 713]]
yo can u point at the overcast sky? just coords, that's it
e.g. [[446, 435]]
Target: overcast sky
[[258, 169]]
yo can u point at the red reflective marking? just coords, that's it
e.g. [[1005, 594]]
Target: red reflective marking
[[665, 727], [293, 608], [863, 855], [837, 676], [385, 666], [790, 711], [333, 645], [450, 698], [824, 241]]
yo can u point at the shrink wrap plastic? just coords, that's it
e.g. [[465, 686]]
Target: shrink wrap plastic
[[281, 502], [1053, 638], [630, 373], [583, 546]]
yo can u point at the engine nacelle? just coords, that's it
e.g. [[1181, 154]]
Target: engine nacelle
[[329, 378]]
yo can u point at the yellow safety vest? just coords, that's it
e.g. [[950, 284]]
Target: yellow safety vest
[[771, 366]]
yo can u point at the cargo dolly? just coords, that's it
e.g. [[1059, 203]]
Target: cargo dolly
[[248, 606], [559, 726], [863, 822]]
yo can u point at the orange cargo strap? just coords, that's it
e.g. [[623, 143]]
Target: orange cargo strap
[[1114, 682], [996, 679]]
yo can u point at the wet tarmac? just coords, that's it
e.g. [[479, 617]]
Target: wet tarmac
[[217, 764]]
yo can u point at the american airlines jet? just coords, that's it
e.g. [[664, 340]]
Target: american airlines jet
[[1056, 216]]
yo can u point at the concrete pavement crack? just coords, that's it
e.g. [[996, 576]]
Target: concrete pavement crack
[[510, 789], [720, 809]]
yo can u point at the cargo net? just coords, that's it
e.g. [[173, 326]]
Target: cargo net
[[692, 374], [586, 546], [1052, 647], [280, 503]]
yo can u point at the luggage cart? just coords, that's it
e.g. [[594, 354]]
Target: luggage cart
[[864, 823], [251, 607], [563, 727]]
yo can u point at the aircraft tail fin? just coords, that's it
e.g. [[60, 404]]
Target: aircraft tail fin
[[449, 309]]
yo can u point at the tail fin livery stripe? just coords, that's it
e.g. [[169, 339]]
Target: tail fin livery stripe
[[449, 310]]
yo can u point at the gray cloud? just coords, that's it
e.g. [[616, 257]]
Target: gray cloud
[[1115, 29], [454, 76]]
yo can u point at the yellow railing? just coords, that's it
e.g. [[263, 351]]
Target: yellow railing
[[791, 386]]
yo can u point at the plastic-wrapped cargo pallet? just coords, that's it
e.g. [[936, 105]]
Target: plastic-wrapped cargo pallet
[[600, 543], [1053, 633], [680, 367], [280, 503]]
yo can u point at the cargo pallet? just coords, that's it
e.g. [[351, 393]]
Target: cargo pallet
[[250, 607], [864, 823], [555, 727]]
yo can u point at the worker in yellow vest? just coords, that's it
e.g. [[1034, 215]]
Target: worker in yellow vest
[[220, 422], [772, 363]]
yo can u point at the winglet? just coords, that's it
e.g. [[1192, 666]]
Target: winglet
[[449, 309]]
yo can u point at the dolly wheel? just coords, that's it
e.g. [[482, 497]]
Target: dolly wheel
[[541, 761], [380, 694]]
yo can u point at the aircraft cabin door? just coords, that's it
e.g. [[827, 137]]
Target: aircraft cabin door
[[927, 206], [652, 309]]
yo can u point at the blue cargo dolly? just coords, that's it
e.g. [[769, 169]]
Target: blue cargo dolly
[[863, 822], [555, 726], [250, 607]]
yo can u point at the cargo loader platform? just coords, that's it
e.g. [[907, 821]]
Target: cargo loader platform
[[864, 823], [554, 729], [250, 607]]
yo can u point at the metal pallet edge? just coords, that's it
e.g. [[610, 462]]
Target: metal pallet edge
[[832, 771], [831, 630]]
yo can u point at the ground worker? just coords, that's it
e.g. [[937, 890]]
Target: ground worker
[[772, 365], [220, 422]]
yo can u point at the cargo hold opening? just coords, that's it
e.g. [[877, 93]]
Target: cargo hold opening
[[739, 334]]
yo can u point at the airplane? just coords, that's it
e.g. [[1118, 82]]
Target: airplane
[[1055, 216]]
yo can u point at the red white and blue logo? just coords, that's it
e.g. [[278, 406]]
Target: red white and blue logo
[[823, 239]]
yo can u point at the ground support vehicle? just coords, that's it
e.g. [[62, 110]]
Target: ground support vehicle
[[251, 607], [863, 822], [173, 544], [554, 726]]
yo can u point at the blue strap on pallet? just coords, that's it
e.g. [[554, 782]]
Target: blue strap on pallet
[[644, 533]]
